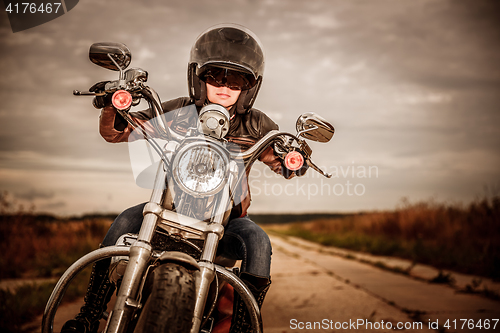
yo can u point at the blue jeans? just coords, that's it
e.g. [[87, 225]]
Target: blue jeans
[[243, 240]]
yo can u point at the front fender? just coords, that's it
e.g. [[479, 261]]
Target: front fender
[[180, 258], [69, 274]]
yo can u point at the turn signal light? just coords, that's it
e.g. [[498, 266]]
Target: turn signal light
[[121, 99], [294, 160]]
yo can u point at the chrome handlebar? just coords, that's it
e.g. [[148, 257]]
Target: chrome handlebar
[[135, 83]]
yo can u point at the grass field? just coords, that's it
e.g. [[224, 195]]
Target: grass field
[[34, 246]]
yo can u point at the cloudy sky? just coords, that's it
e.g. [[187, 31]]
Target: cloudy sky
[[412, 88]]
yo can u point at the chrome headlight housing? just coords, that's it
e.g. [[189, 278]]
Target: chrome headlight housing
[[214, 121], [200, 168]]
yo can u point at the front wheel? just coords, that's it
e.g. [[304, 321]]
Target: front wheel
[[170, 306]]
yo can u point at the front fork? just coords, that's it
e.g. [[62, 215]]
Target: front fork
[[205, 279], [213, 234], [140, 254]]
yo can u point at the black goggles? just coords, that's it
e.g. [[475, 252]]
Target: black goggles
[[221, 77]]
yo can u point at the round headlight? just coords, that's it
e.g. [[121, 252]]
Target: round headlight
[[200, 169]]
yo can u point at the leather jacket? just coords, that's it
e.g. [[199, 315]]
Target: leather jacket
[[245, 130]]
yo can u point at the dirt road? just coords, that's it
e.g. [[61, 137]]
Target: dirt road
[[311, 286], [314, 291]]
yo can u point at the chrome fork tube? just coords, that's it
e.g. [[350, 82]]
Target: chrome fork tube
[[140, 254], [214, 233], [207, 272], [204, 278]]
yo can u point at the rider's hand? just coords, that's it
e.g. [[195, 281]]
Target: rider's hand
[[285, 172], [289, 174], [302, 171], [101, 101]]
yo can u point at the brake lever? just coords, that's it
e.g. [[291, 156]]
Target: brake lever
[[84, 93], [316, 168]]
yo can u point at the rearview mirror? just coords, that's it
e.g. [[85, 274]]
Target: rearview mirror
[[113, 56], [313, 127]]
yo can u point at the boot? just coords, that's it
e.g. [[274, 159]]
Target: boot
[[99, 293], [259, 286]]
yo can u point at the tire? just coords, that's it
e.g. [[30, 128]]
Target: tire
[[170, 306]]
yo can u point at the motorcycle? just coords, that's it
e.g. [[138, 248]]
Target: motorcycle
[[168, 275]]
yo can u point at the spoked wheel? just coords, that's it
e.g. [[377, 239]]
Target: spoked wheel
[[170, 306]]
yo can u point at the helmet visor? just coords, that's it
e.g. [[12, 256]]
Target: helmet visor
[[223, 77]]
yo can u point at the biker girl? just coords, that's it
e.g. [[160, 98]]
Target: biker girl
[[225, 67]]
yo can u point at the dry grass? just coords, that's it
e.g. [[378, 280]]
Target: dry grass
[[34, 246], [19, 308], [461, 238]]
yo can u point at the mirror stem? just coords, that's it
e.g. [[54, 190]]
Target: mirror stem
[[122, 75], [307, 130]]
